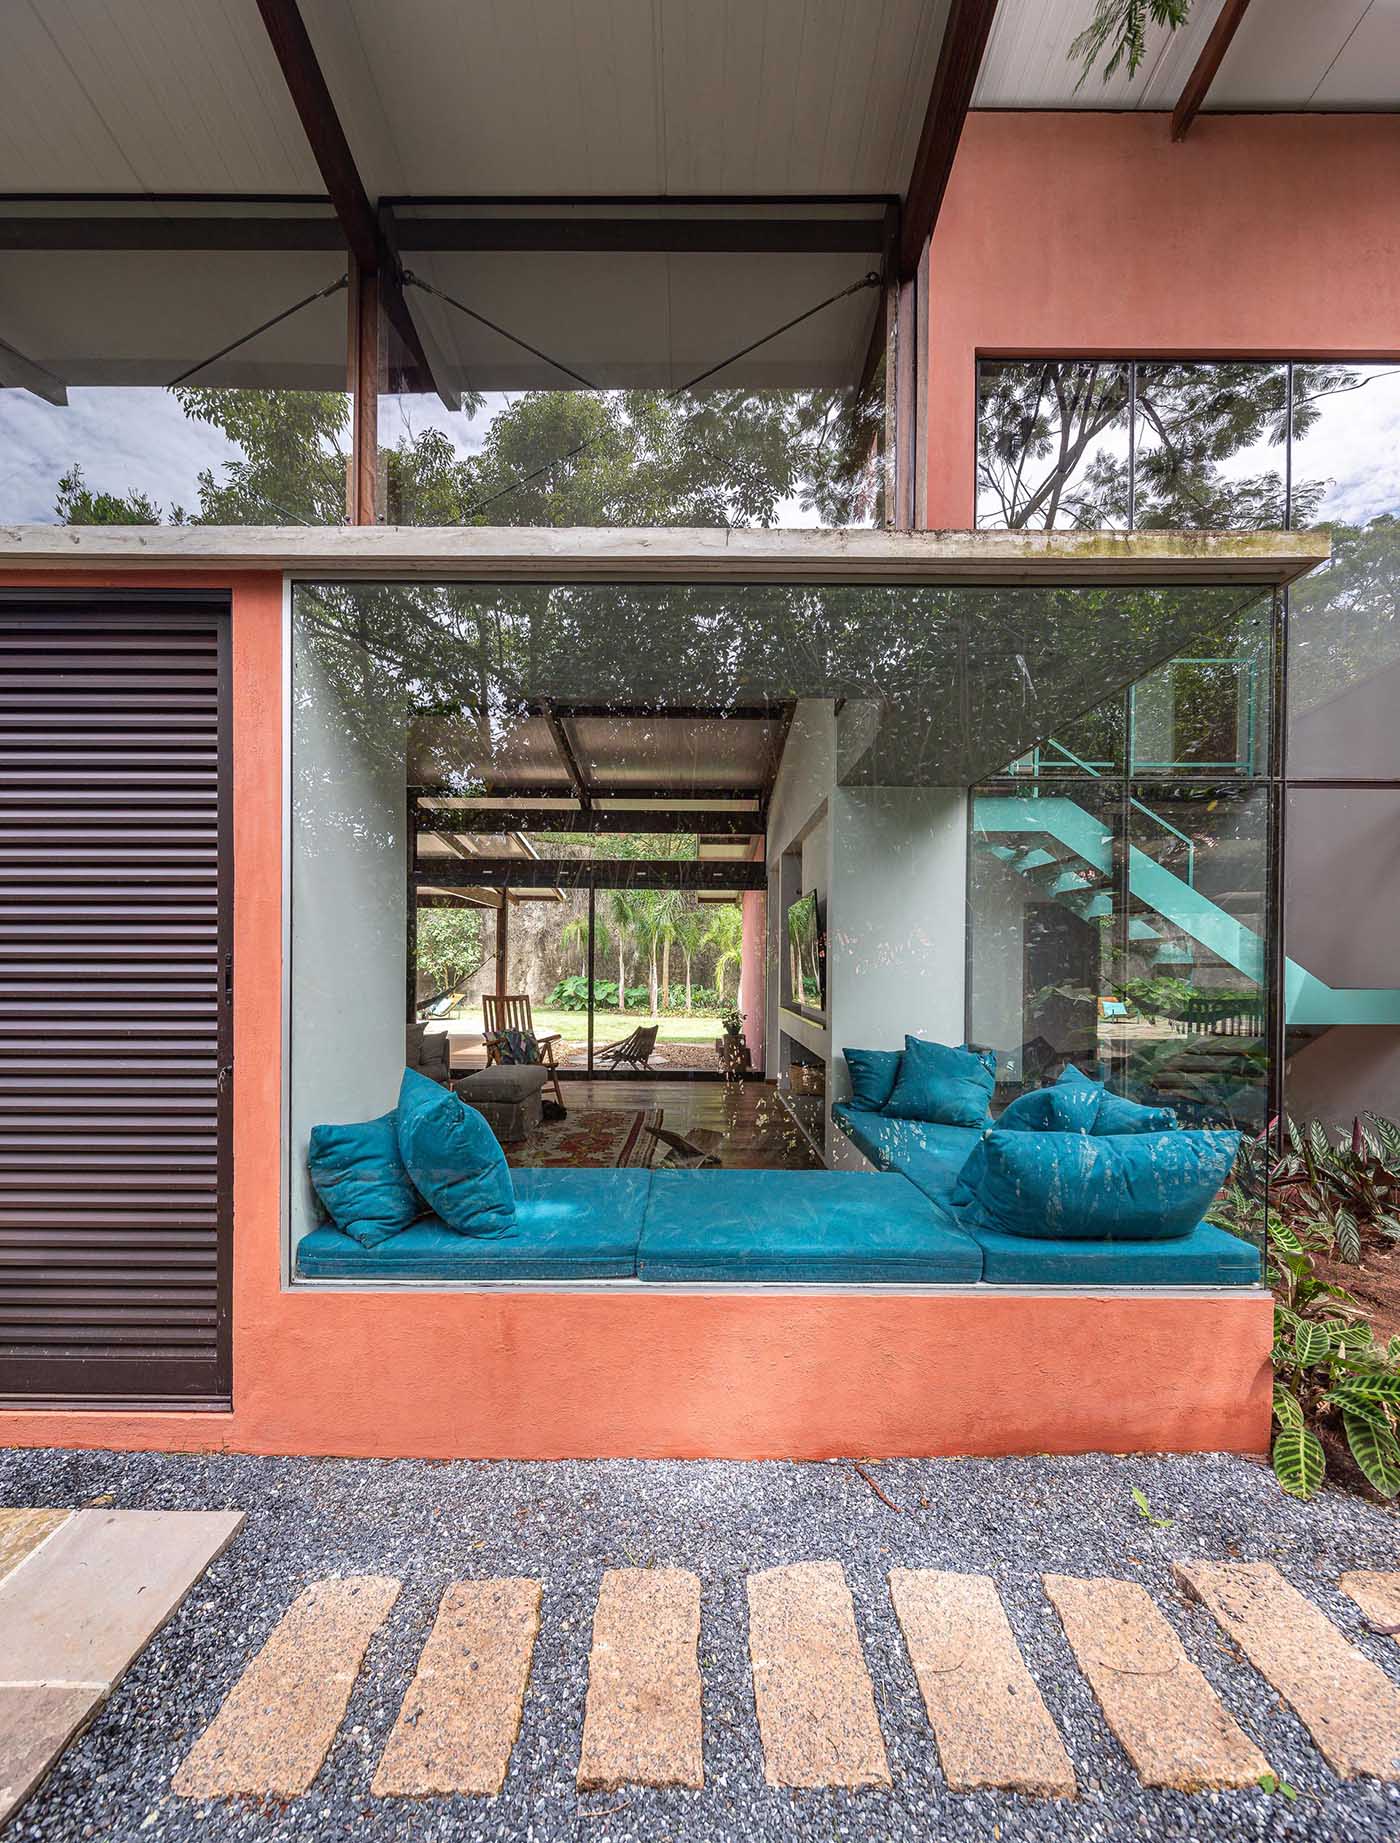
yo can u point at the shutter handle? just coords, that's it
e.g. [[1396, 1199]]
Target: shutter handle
[[225, 1076]]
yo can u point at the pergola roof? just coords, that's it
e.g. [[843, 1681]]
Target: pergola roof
[[348, 123]]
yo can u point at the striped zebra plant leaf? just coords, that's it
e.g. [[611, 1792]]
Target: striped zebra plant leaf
[[1299, 1461], [1375, 1451]]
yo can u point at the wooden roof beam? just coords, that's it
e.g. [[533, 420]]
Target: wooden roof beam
[[959, 60], [359, 221], [1208, 63]]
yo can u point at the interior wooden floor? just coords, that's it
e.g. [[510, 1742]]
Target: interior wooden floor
[[758, 1131]]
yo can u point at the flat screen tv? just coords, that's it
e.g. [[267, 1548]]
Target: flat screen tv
[[807, 953]]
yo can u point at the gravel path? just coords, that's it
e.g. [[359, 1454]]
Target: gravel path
[[430, 1523]]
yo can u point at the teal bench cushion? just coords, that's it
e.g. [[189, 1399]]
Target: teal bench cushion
[[839, 1227], [570, 1224], [1208, 1256], [927, 1153]]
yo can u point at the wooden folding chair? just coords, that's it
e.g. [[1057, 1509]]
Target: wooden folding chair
[[511, 1011]]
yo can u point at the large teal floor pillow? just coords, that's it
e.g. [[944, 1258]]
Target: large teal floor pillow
[[1068, 1109], [361, 1180], [1087, 1187], [941, 1085], [454, 1159], [873, 1074], [1115, 1115]]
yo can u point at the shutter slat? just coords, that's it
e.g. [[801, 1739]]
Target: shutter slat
[[113, 1021]]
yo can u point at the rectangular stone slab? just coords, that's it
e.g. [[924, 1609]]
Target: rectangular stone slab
[[85, 1603], [22, 1531], [1167, 1718], [987, 1716], [461, 1716], [1378, 1596], [278, 1721], [1347, 1703], [816, 1707], [36, 1724], [641, 1723]]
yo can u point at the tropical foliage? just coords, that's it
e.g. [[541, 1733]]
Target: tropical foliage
[[1335, 1385], [1122, 25]]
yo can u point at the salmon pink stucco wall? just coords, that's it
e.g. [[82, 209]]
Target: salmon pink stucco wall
[[1094, 233], [634, 1373]]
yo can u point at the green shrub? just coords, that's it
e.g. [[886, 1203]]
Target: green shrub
[[1332, 1379]]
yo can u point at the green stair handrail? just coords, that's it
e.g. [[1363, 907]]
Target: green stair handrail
[[1089, 769]]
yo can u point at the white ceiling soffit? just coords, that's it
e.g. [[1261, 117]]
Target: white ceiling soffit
[[516, 97], [1028, 64], [145, 96], [650, 321], [1286, 55], [1313, 54], [512, 97]]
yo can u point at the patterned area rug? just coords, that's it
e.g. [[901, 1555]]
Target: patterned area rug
[[613, 1136]]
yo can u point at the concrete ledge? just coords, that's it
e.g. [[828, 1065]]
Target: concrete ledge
[[741, 1375], [527, 553]]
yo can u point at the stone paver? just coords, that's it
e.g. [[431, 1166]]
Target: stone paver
[[22, 1531], [277, 1723], [1166, 1716], [85, 1603], [987, 1716], [641, 1723], [461, 1716], [816, 1707], [36, 1724], [1378, 1596], [1347, 1703]]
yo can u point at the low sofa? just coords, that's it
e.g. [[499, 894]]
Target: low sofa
[[891, 1226]]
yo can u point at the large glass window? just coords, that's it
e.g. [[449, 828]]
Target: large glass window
[[693, 842], [1232, 445]]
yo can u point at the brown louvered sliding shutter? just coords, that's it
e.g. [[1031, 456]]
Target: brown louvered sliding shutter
[[115, 994]]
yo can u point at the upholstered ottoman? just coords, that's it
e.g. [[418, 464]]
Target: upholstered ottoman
[[508, 1094]]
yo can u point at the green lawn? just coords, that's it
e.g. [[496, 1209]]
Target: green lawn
[[612, 1026]]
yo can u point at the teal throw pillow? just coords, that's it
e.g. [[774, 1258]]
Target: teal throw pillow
[[1068, 1109], [360, 1178], [873, 1075], [941, 1085], [454, 1159], [1116, 1115], [1082, 1187], [987, 1057]]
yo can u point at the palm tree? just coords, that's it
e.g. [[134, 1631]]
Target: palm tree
[[690, 938], [647, 926], [670, 906], [726, 934], [624, 909], [575, 934]]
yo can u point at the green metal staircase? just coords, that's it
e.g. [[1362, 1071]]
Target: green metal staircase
[[999, 819]]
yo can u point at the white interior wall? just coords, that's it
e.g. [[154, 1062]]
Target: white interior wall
[[348, 958], [896, 919], [998, 975]]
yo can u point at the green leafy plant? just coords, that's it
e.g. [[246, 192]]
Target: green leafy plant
[[1333, 1383], [1335, 1190], [732, 1019], [1147, 1513], [1270, 1782], [1123, 24]]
